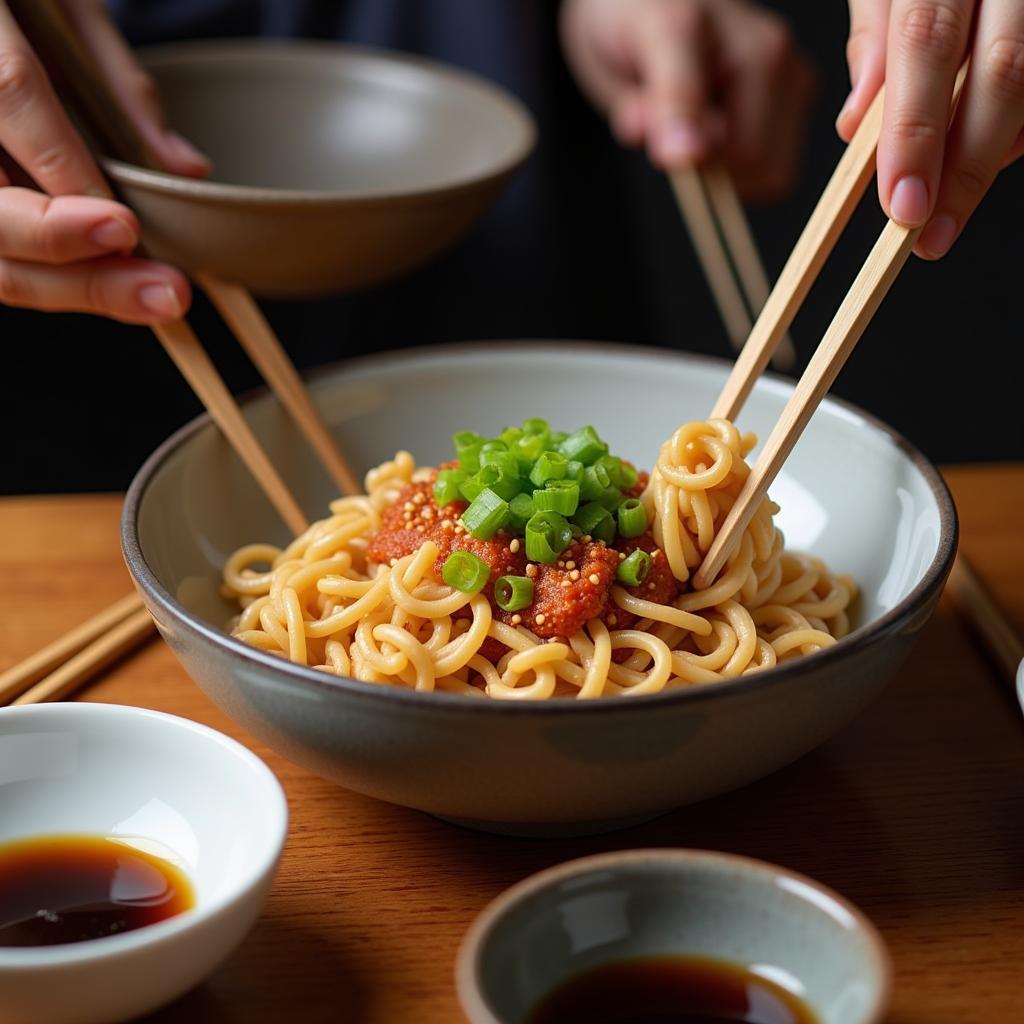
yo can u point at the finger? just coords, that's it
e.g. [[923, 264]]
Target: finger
[[33, 126], [927, 44], [136, 90], [132, 290], [865, 54], [629, 117], [672, 51], [41, 229], [987, 124]]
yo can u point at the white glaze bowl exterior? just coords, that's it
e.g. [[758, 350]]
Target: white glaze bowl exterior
[[618, 906], [853, 492], [139, 775]]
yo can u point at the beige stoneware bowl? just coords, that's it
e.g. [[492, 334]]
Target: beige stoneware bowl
[[334, 167], [853, 492]]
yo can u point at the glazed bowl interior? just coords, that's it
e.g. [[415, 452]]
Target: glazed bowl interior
[[623, 906], [850, 493]]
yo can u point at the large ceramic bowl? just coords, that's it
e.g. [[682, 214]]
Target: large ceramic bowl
[[334, 166], [853, 492]]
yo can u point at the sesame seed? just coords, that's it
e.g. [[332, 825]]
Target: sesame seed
[[650, 586], [460, 529], [594, 578], [514, 545], [561, 565], [531, 570], [516, 619], [421, 529], [409, 507], [428, 513], [586, 538], [570, 565], [622, 556], [394, 562], [539, 619], [566, 583], [612, 619], [575, 574], [418, 499], [446, 523]]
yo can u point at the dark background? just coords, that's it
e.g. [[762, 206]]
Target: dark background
[[587, 243]]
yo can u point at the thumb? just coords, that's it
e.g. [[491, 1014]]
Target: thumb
[[136, 91]]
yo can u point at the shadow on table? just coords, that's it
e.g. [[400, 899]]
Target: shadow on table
[[319, 988]]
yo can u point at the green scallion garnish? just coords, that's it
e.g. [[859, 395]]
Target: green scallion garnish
[[547, 535], [463, 571], [632, 518], [513, 592], [467, 450], [594, 483], [521, 509], [584, 446], [486, 515], [549, 466], [596, 521], [561, 496], [633, 569], [446, 486]]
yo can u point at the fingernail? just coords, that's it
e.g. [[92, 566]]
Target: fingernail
[[844, 114], [184, 150], [160, 299], [113, 234], [936, 239], [680, 141], [909, 203]]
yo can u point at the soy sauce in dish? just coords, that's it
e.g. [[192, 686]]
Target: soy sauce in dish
[[671, 990], [72, 888]]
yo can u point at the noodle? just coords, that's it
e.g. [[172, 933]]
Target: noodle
[[322, 602]]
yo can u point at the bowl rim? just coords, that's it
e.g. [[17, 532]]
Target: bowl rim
[[273, 803], [269, 50], [468, 983], [891, 622]]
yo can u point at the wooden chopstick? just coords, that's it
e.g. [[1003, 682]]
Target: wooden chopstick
[[247, 322], [844, 191], [740, 245], [725, 248], [21, 676], [976, 603], [104, 651], [871, 285]]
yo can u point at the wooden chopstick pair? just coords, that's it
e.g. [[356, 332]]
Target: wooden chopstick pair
[[725, 247], [74, 658]]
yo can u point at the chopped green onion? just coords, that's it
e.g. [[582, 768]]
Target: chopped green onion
[[632, 518], [503, 484], [464, 571], [549, 466], [471, 487], [467, 450], [536, 426], [574, 471], [558, 437], [510, 435], [584, 445], [521, 509], [594, 519], [627, 475], [594, 483], [446, 486], [493, 444], [528, 449], [513, 592], [547, 535], [633, 569], [611, 498], [504, 460], [561, 496], [613, 467], [486, 515]]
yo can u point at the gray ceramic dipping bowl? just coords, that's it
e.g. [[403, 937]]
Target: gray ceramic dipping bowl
[[641, 903], [853, 492], [334, 167]]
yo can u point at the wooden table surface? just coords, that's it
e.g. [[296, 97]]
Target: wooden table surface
[[915, 811]]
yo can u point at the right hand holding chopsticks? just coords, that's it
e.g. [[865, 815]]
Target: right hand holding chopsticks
[[60, 248], [926, 177]]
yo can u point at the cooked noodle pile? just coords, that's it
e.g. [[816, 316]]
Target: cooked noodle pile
[[321, 602]]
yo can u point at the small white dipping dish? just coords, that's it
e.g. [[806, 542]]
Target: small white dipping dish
[[575, 917], [126, 772]]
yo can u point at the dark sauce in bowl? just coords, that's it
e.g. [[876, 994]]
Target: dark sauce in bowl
[[671, 990], [60, 889]]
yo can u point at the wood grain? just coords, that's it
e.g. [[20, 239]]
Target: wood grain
[[915, 811]]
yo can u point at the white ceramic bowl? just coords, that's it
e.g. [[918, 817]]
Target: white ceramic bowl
[[641, 903], [853, 492], [126, 772]]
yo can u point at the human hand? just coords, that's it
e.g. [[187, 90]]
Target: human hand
[[61, 248], [927, 176], [688, 78]]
